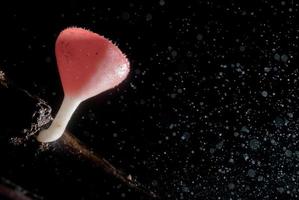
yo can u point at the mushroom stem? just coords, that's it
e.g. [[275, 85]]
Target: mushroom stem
[[61, 120]]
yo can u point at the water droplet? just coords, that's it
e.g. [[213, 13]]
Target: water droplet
[[220, 145], [185, 136], [267, 69], [288, 153], [245, 129], [277, 57], [254, 144], [264, 93], [231, 186], [149, 17], [162, 2], [279, 122], [199, 37], [242, 48], [251, 173], [284, 58]]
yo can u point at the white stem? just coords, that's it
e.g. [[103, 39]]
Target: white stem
[[60, 122]]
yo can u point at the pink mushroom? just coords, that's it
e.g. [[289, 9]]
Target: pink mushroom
[[88, 64]]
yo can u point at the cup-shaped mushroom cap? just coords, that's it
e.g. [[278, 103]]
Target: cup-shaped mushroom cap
[[88, 63]]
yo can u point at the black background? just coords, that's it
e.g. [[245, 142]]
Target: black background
[[209, 110]]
